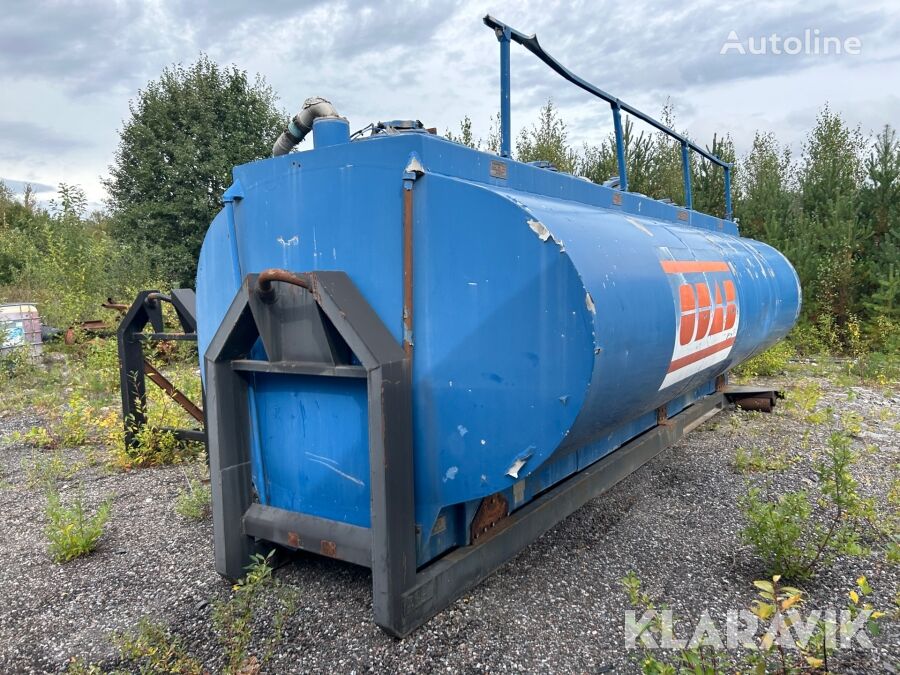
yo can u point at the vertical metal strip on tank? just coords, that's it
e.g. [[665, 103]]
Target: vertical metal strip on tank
[[413, 170], [407, 267], [234, 193]]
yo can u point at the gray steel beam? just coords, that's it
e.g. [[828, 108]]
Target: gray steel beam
[[300, 531]]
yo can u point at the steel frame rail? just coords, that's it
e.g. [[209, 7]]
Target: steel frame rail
[[337, 321]]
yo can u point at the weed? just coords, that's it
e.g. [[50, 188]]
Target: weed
[[892, 554], [153, 444], [45, 470], [775, 647], [699, 658], [759, 460], [76, 422], [802, 401], [852, 422], [36, 437], [194, 503], [776, 606], [71, 429], [877, 367], [71, 530], [152, 447], [78, 666], [156, 650], [233, 619]]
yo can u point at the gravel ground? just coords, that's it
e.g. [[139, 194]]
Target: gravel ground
[[558, 606]]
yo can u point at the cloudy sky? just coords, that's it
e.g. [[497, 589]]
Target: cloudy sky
[[69, 68]]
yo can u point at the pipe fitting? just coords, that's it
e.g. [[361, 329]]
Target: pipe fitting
[[302, 123]]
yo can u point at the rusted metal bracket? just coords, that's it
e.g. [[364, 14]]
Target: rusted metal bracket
[[491, 511], [662, 415], [721, 382], [163, 383]]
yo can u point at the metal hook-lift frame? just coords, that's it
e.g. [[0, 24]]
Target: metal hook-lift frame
[[311, 330], [134, 367], [506, 34]]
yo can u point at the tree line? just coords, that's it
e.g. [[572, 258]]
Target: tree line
[[834, 210]]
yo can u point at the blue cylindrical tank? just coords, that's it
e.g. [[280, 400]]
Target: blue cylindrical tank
[[552, 317]]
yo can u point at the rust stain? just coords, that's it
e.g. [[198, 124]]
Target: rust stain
[[662, 416], [491, 511], [721, 382], [293, 540], [328, 548]]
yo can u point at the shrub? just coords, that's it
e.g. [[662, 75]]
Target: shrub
[[877, 367], [773, 361], [884, 335], [100, 374], [71, 530], [788, 539], [14, 362]]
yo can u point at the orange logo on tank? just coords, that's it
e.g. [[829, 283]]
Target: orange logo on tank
[[708, 315]]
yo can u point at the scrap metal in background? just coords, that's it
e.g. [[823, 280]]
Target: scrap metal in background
[[134, 367]]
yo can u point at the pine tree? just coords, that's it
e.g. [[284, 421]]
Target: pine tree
[[547, 141]]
